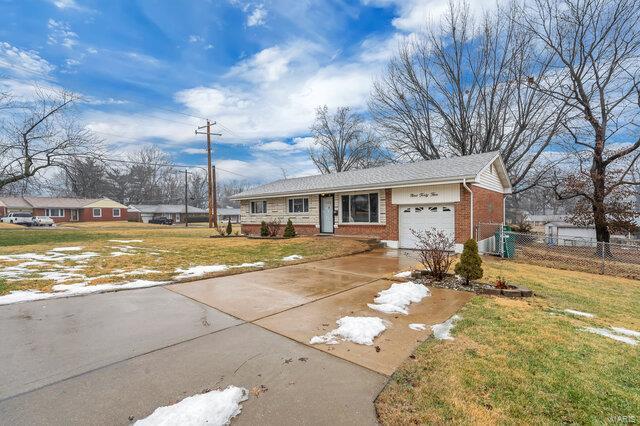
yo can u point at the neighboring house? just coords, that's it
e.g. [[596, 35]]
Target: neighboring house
[[224, 214], [453, 195], [567, 234], [62, 209], [543, 219], [176, 212]]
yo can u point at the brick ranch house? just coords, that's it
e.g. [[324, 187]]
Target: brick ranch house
[[66, 209], [452, 194]]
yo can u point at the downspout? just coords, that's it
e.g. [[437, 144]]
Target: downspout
[[464, 183]]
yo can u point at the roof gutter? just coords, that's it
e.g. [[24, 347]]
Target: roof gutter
[[464, 183]]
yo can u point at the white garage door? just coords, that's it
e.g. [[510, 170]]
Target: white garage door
[[424, 218]]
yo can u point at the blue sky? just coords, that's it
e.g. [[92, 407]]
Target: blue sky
[[257, 68]]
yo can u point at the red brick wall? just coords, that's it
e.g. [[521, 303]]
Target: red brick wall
[[3, 211], [42, 212], [86, 215], [488, 208]]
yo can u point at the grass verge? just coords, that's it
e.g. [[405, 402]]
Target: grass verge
[[526, 361]]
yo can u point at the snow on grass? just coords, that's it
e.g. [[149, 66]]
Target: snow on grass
[[126, 241], [198, 271], [216, 407], [360, 330], [405, 274], [69, 290], [579, 313], [61, 277], [418, 327], [398, 297], [443, 331], [612, 335], [626, 332], [120, 253], [292, 257], [74, 248]]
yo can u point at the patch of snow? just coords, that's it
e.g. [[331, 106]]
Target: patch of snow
[[81, 256], [607, 333], [249, 265], [418, 327], [443, 331], [405, 274], [626, 332], [24, 296], [360, 330], [68, 290], [579, 313], [61, 277], [120, 253], [74, 248], [292, 257], [216, 407], [198, 271], [33, 263], [398, 297], [125, 241]]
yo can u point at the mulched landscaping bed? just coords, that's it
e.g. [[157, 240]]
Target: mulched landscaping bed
[[452, 282]]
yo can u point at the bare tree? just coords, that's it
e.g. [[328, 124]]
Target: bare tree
[[198, 187], [343, 142], [227, 188], [462, 88], [595, 46], [39, 134]]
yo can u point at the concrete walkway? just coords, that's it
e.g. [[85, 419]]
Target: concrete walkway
[[112, 358]]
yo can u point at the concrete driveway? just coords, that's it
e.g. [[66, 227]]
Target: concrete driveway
[[111, 358]]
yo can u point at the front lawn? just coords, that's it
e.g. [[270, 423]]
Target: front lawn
[[527, 361], [39, 259]]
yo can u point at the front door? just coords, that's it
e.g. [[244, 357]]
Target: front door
[[326, 214], [75, 216]]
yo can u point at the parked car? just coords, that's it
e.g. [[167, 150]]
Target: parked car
[[161, 220], [18, 218], [42, 221]]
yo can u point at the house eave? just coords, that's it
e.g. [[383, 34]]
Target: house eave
[[400, 184]]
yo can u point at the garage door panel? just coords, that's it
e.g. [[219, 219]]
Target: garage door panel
[[424, 218]]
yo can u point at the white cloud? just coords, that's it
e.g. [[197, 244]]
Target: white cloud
[[142, 58], [257, 17], [298, 145], [195, 151], [23, 62], [60, 33], [92, 50], [195, 39], [66, 4]]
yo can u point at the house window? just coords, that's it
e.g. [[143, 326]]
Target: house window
[[97, 212], [116, 212], [360, 208], [446, 209], [54, 212], [298, 205], [258, 207]]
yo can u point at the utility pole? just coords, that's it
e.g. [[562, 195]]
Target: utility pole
[[215, 196], [213, 212], [186, 199]]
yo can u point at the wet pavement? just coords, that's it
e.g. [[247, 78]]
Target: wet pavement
[[109, 358]]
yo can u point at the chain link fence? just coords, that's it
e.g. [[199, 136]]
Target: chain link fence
[[580, 254]]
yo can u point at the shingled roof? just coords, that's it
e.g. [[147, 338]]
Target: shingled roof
[[421, 172]]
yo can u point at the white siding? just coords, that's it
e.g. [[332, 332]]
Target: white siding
[[488, 178], [427, 194], [278, 208]]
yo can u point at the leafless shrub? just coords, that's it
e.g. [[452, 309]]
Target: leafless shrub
[[274, 226], [435, 249]]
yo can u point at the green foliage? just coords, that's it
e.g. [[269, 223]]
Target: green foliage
[[289, 230], [470, 265], [229, 227], [264, 229]]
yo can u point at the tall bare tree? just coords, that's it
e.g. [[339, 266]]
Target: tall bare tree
[[462, 88], [595, 48], [343, 142], [41, 133]]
